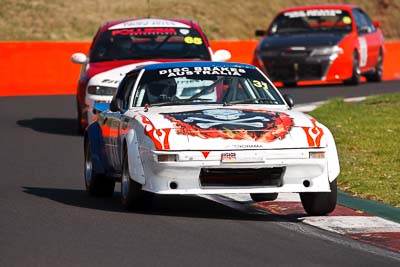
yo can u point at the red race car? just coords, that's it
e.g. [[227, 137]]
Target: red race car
[[323, 42], [120, 46]]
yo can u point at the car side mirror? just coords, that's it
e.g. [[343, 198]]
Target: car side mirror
[[363, 29], [376, 24], [79, 58], [260, 32], [116, 105], [221, 55], [289, 100]]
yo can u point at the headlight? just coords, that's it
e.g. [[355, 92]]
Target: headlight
[[326, 51], [101, 90]]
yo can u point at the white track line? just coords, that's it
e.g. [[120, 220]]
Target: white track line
[[313, 105], [353, 224]]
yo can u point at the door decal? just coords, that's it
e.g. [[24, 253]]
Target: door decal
[[314, 134], [158, 136], [363, 51]]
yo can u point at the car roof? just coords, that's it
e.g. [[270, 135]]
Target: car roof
[[327, 6], [187, 64]]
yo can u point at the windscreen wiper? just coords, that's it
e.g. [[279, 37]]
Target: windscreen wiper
[[180, 101], [250, 100], [205, 89]]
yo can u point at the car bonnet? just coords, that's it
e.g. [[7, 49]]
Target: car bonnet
[[239, 127]]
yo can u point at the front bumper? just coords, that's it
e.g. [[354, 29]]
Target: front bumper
[[303, 67], [299, 173], [293, 69]]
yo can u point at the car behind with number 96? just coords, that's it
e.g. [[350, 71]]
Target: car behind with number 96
[[208, 128]]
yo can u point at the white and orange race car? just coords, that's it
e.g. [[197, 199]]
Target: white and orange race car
[[208, 128]]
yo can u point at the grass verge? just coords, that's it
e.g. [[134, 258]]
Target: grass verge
[[368, 142]]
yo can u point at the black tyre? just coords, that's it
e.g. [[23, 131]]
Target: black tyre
[[356, 73], [376, 76], [132, 195], [264, 197], [318, 204], [96, 184]]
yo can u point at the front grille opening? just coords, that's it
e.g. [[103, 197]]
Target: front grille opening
[[245, 177], [287, 72], [310, 71]]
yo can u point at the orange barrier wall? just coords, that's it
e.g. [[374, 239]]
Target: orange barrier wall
[[39, 68], [44, 68]]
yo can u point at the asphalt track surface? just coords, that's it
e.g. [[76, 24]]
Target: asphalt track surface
[[47, 219]]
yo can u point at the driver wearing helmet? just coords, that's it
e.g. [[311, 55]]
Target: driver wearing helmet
[[161, 91]]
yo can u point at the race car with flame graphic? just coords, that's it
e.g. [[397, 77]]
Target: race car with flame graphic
[[208, 128]]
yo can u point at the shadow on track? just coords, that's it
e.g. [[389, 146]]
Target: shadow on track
[[59, 126], [163, 205]]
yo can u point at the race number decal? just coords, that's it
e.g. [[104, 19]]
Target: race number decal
[[193, 40], [260, 84], [363, 51], [346, 20]]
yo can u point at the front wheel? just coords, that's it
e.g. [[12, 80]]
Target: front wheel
[[132, 195], [320, 203], [264, 196], [96, 184], [356, 72]]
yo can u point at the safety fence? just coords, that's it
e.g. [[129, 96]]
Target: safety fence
[[44, 68]]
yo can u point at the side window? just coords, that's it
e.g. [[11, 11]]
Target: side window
[[367, 21], [124, 91], [363, 22], [357, 19]]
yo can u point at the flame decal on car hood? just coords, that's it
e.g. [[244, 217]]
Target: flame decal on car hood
[[239, 124]]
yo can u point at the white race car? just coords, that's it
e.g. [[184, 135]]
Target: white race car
[[208, 128]]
